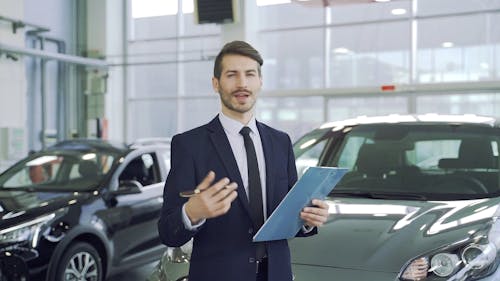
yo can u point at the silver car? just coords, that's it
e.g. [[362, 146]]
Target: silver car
[[420, 201]]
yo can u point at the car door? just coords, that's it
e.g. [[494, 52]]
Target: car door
[[135, 234]]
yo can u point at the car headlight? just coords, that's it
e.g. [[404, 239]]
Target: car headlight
[[176, 255], [444, 264], [180, 254], [416, 270], [479, 256], [472, 260], [25, 231]]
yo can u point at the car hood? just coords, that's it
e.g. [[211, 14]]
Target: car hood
[[383, 235], [17, 206]]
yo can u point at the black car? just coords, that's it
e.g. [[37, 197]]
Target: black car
[[82, 210]]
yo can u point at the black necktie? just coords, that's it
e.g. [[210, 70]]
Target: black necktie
[[254, 188]]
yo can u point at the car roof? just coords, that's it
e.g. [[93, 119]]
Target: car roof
[[428, 118], [159, 142], [110, 146], [89, 145]]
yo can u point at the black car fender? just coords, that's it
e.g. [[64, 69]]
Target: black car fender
[[86, 234]]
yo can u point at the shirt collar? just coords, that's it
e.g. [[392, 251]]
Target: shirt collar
[[232, 126]]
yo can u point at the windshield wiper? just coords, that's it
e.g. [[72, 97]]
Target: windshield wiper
[[379, 195]]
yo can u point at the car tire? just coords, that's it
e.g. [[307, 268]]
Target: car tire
[[80, 260]]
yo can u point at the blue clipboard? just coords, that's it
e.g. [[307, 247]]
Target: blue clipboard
[[285, 221]]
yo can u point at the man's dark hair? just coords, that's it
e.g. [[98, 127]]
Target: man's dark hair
[[236, 48]]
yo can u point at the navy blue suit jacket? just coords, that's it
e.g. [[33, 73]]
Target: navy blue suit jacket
[[222, 246]]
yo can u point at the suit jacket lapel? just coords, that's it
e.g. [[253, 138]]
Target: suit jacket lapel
[[267, 147], [223, 148]]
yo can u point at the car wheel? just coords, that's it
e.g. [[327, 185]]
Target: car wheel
[[81, 262]]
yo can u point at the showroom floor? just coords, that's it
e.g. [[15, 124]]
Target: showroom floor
[[137, 274]]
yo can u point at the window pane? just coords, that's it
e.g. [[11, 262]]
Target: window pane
[[196, 112], [154, 27], [480, 104], [154, 80], [290, 63], [368, 11], [289, 15], [344, 108], [463, 49], [296, 116], [153, 69], [440, 7], [196, 64], [154, 118], [378, 54], [152, 51]]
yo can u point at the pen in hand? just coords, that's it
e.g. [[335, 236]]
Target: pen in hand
[[212, 199], [189, 193], [197, 190]]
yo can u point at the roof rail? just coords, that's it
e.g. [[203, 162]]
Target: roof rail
[[150, 141]]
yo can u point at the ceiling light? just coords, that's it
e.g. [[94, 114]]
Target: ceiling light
[[447, 44], [398, 12], [341, 50], [381, 1], [153, 8], [271, 2]]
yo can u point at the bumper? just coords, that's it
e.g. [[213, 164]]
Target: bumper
[[17, 263], [307, 273], [167, 271], [13, 267]]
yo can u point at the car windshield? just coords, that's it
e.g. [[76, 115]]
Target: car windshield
[[58, 171], [420, 161]]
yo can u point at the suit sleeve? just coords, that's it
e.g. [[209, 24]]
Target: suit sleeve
[[171, 227]]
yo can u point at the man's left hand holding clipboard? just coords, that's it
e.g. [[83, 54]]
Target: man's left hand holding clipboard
[[315, 215]]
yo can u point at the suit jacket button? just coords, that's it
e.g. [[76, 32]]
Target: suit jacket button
[[251, 260], [250, 230]]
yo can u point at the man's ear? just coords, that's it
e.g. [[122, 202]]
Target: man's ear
[[215, 84]]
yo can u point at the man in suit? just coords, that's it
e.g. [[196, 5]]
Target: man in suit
[[241, 169]]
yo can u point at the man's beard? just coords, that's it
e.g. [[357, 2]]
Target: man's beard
[[226, 100]]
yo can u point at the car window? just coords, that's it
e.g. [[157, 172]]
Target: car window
[[165, 156], [442, 161], [427, 153], [309, 149], [310, 157], [57, 171], [351, 147], [143, 169]]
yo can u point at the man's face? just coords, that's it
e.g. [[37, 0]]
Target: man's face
[[238, 85], [37, 174]]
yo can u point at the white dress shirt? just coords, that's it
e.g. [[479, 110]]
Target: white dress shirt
[[232, 129]]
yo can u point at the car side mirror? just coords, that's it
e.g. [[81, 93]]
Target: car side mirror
[[128, 187]]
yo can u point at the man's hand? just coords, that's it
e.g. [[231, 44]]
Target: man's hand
[[315, 215], [213, 200]]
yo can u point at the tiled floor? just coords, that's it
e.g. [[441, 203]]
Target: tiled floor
[[137, 274]]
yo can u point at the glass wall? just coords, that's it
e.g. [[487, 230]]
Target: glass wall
[[169, 57], [294, 115], [315, 59]]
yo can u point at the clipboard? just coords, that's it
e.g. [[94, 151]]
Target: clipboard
[[285, 221]]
